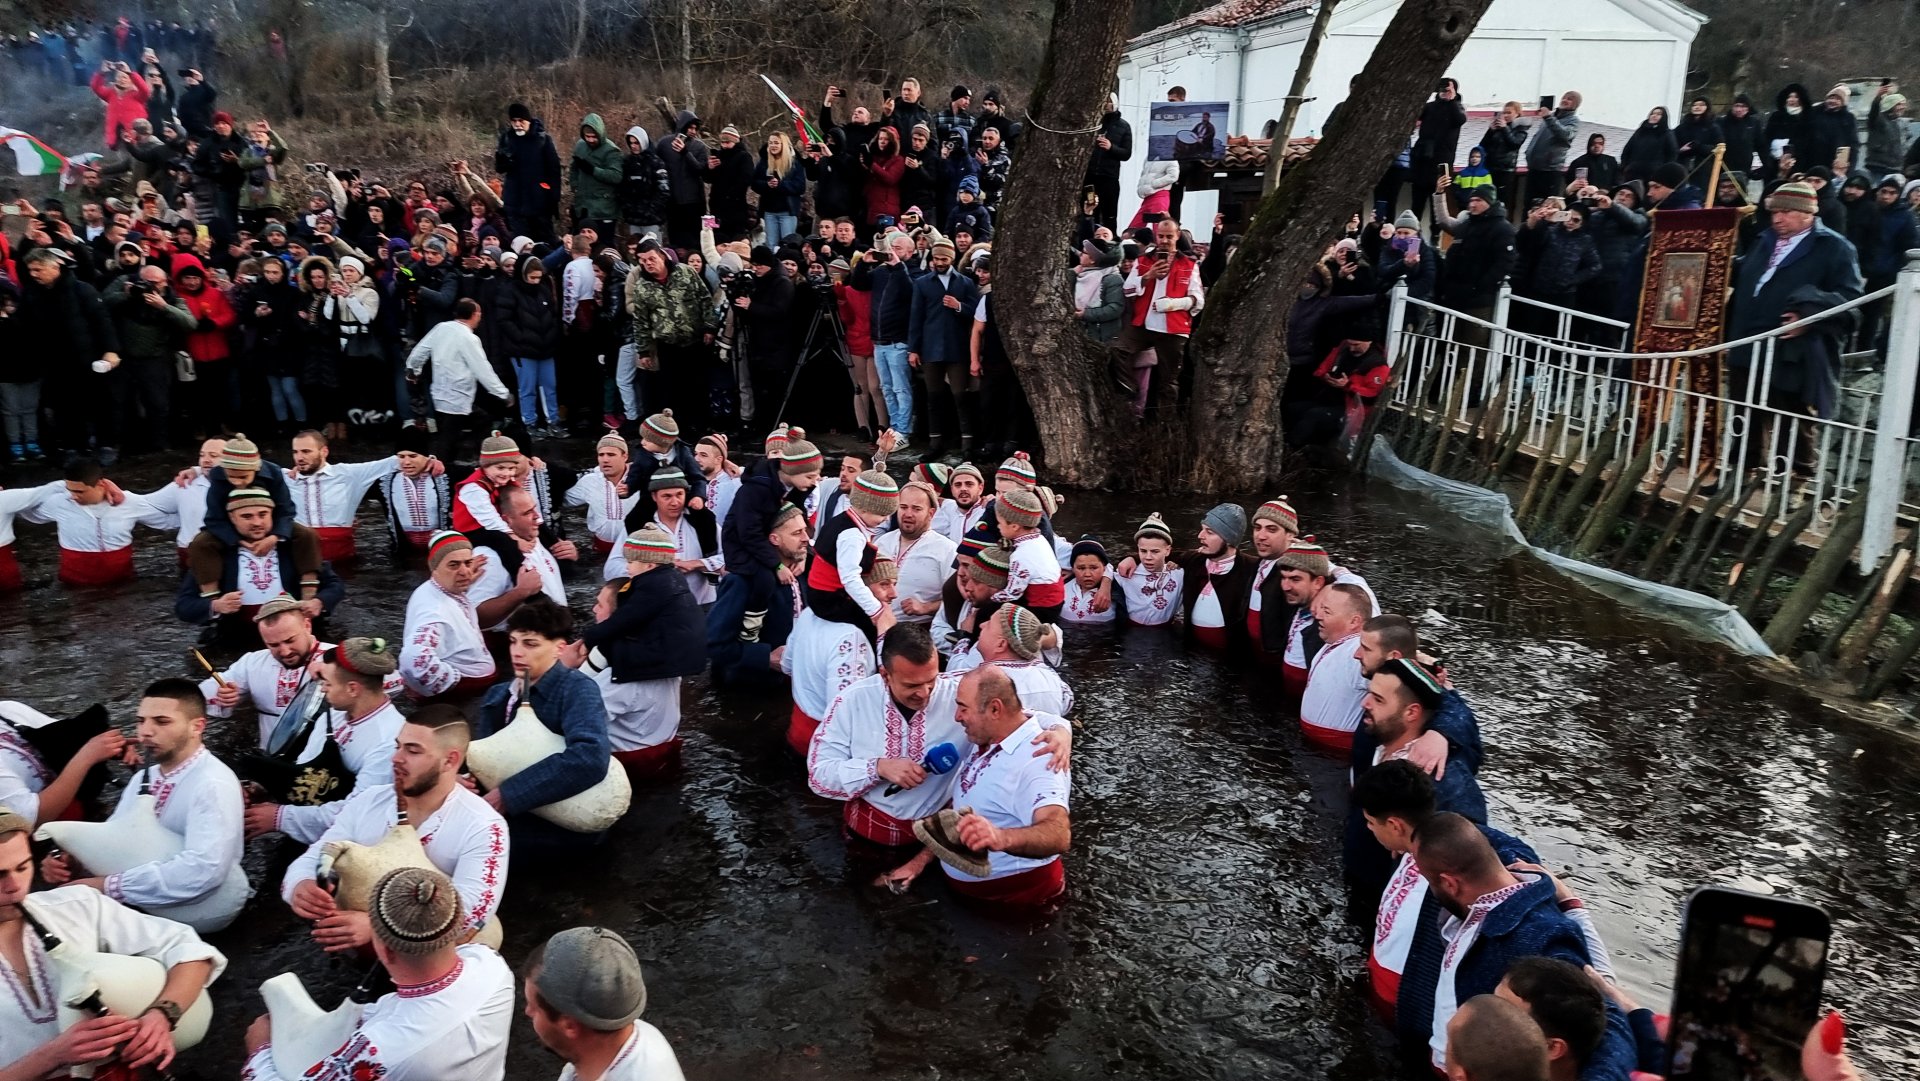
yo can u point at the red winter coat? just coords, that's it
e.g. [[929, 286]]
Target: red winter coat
[[883, 185], [856, 314], [208, 306], [123, 108]]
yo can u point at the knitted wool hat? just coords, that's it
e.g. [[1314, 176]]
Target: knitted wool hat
[[1050, 501], [591, 975], [364, 657], [934, 473], [1154, 528], [1022, 630], [1021, 506], [1418, 680], [660, 428], [11, 822], [613, 440], [883, 570], [1798, 195], [1406, 220], [1229, 521], [1305, 554], [1087, 546], [786, 511], [1280, 513], [717, 441], [989, 567], [240, 454], [664, 479], [799, 457], [279, 605], [777, 439], [944, 244], [650, 544], [1669, 174], [1019, 467], [874, 494], [984, 534], [415, 911], [249, 497], [966, 469], [498, 448], [443, 544]]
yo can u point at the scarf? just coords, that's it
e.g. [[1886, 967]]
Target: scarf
[[1086, 287]]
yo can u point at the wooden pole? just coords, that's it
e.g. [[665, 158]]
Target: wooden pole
[[1590, 478], [1785, 627], [1667, 537], [1541, 466], [1853, 652], [1753, 585], [1296, 95], [1600, 523]]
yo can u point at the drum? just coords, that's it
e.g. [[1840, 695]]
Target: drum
[[321, 777]]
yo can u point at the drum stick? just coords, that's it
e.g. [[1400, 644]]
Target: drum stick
[[198, 656]]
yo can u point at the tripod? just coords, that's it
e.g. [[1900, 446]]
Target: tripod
[[825, 315]]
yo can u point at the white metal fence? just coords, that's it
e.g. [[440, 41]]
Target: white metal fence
[[1567, 394]]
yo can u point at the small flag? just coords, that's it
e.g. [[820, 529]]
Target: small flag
[[801, 125], [31, 157]]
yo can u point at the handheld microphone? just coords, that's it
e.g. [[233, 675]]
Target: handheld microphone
[[940, 758]]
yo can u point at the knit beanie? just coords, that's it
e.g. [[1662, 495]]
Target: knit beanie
[[591, 975], [1229, 521], [613, 440], [799, 457], [241, 454], [1305, 554], [1050, 501], [518, 111], [874, 494], [934, 473], [1019, 467], [650, 544], [944, 244], [984, 534], [1406, 220], [415, 911], [1021, 507], [777, 439], [786, 511], [365, 657], [1842, 89], [279, 605], [989, 567], [883, 570], [965, 469], [1022, 630], [1669, 174], [1798, 195], [664, 479], [498, 448], [661, 428], [1280, 513], [445, 543], [1087, 546], [249, 497], [1154, 528]]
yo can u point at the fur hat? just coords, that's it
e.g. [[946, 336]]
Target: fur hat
[[241, 454], [649, 544], [1154, 528], [1021, 628], [1019, 467], [660, 428], [443, 544], [1021, 507], [498, 448], [1305, 554], [415, 911], [874, 494], [1798, 195], [1280, 513]]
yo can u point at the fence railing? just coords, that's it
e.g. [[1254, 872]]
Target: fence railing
[[1567, 396]]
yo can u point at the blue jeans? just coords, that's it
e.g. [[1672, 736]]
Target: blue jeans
[[778, 225], [896, 384], [536, 376], [287, 403]]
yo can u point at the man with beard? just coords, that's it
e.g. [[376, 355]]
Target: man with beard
[[746, 644], [669, 305], [769, 347], [1216, 582], [463, 836], [362, 724], [1015, 640], [196, 797], [32, 1044], [444, 652], [1269, 616], [327, 495], [605, 495], [924, 556], [267, 678], [247, 581], [529, 164], [1305, 570], [967, 487]]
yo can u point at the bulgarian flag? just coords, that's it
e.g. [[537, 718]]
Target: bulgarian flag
[[31, 157], [801, 125]]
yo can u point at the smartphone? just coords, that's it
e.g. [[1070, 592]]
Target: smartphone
[[1445, 169], [1546, 101], [1580, 174], [1748, 987], [709, 222]]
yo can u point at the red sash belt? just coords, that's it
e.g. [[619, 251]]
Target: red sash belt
[[1034, 886], [604, 547], [1383, 989], [865, 820], [96, 568], [336, 542], [1214, 638], [1293, 680], [1044, 594], [800, 728], [10, 579], [1327, 739], [418, 541], [651, 763]]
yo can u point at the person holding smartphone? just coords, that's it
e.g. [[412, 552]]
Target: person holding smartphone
[[1547, 154]]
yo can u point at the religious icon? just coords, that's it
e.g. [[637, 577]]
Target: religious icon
[[1677, 292]]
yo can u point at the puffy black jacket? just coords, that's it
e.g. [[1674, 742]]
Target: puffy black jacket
[[645, 190], [743, 536], [1480, 259], [1565, 262], [656, 630], [1616, 232], [529, 318], [57, 332], [1742, 134], [839, 182], [731, 180], [1502, 146], [1796, 129], [1649, 146], [1697, 137]]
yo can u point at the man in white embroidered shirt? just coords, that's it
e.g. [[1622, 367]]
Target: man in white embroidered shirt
[[1009, 805], [585, 995], [33, 1043], [267, 678]]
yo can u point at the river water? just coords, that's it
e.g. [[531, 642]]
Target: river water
[[1206, 935]]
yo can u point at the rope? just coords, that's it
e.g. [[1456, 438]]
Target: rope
[[1054, 131]]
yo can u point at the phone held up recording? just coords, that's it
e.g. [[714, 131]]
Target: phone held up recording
[[1748, 986]]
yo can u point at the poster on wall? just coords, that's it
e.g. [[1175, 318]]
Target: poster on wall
[[1187, 130]]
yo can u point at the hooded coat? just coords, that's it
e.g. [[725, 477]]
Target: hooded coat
[[1651, 145], [1785, 128], [1697, 136], [123, 106], [1742, 134], [1886, 139], [529, 167], [595, 173], [687, 166], [528, 316], [212, 315], [644, 189]]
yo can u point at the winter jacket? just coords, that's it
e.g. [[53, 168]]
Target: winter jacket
[[1886, 140], [1549, 148], [1306, 343], [1650, 146], [595, 173], [273, 347], [160, 101], [1830, 132], [920, 185], [123, 106], [1787, 129], [196, 109], [529, 317], [57, 331], [1742, 134], [687, 166], [1421, 277], [210, 163], [144, 330], [1440, 124], [262, 187], [939, 334], [1696, 136], [1603, 170], [883, 184], [1566, 261], [656, 630], [949, 124], [1102, 321], [213, 316], [1482, 256], [782, 194], [903, 119], [890, 287], [769, 330], [1106, 163], [1616, 232], [529, 167], [1823, 260], [1896, 234], [567, 702], [1502, 146], [743, 536], [838, 180], [644, 189], [856, 314], [673, 312]]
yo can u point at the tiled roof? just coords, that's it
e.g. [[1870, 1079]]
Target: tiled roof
[[1230, 13]]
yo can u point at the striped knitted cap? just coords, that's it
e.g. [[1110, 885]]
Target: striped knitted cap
[[1798, 195], [661, 427], [786, 511], [498, 448], [1154, 528], [934, 473], [1280, 513], [240, 454], [966, 469], [1305, 554], [798, 457], [668, 478], [249, 497], [984, 534], [1050, 501], [1019, 467], [365, 657], [989, 566], [1021, 628], [1418, 679], [777, 439], [445, 543], [883, 570], [611, 441], [874, 494], [649, 544], [1021, 506]]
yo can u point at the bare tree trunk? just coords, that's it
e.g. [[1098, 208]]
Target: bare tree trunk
[[579, 29], [382, 60], [1238, 351], [1296, 94], [686, 51], [1063, 371]]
